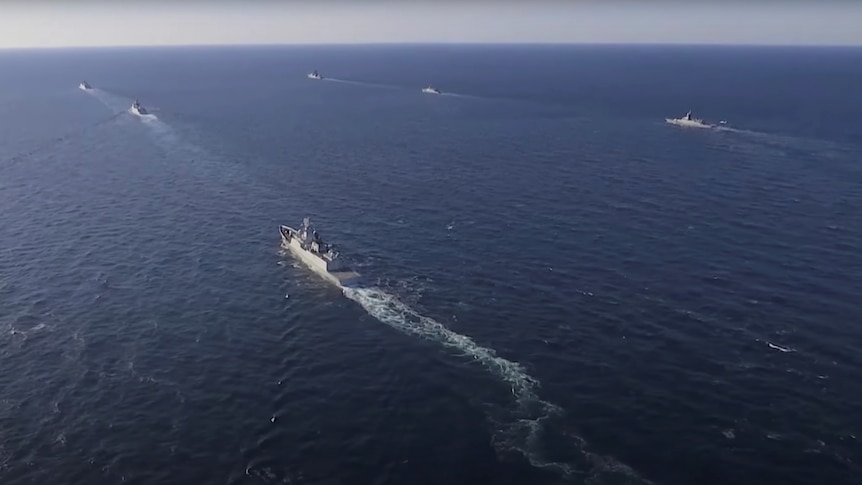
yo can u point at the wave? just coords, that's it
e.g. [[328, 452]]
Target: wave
[[394, 86], [62, 138], [522, 427]]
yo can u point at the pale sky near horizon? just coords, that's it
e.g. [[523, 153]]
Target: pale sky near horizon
[[40, 23]]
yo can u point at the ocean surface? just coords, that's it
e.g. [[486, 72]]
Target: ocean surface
[[560, 288]]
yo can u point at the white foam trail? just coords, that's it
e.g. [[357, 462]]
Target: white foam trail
[[459, 95], [391, 311], [524, 426], [163, 132], [363, 83], [777, 139], [778, 347], [737, 130], [95, 94], [112, 102], [146, 117]]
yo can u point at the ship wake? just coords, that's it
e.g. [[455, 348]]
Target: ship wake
[[361, 83], [147, 117], [105, 98], [521, 427], [118, 104]]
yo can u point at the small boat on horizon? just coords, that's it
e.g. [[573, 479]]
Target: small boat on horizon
[[688, 121], [314, 75], [84, 86], [431, 90]]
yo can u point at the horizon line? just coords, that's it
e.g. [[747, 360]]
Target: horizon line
[[421, 43]]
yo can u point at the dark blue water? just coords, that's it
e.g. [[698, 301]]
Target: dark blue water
[[560, 287]]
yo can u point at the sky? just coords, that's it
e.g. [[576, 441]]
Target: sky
[[74, 23]]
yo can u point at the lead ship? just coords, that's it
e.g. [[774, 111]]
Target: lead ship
[[688, 121], [306, 244]]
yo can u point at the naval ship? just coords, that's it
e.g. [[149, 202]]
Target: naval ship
[[688, 121], [306, 244], [84, 86], [430, 90], [138, 109], [314, 75]]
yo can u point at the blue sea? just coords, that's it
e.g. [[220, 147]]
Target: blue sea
[[559, 287]]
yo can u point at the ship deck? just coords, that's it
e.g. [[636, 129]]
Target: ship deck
[[343, 277]]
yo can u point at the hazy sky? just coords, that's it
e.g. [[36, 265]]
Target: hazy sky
[[42, 23]]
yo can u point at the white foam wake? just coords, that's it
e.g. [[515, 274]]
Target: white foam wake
[[363, 83], [523, 427], [778, 347], [116, 104], [391, 311], [146, 117]]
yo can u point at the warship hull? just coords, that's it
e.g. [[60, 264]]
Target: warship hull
[[331, 271], [687, 123]]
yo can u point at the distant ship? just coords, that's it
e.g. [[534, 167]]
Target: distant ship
[[306, 244], [688, 121], [314, 75], [84, 86], [138, 109], [431, 90]]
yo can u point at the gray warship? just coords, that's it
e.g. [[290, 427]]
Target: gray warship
[[306, 244], [138, 109]]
